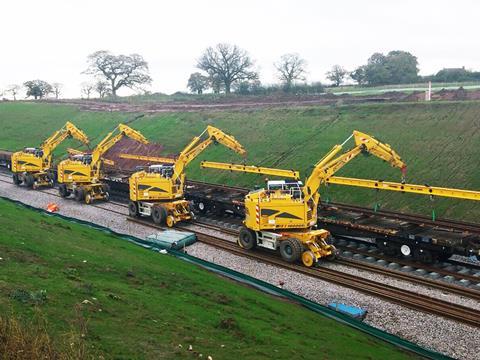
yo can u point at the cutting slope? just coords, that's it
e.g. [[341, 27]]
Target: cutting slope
[[439, 141]]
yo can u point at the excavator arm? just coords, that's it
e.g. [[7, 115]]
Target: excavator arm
[[155, 159], [196, 146], [406, 188], [330, 164], [111, 139], [60, 135], [252, 169]]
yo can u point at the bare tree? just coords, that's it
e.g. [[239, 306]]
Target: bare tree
[[120, 70], [57, 88], [227, 62], [290, 68], [198, 83], [13, 89], [216, 83], [337, 75], [102, 88], [87, 89], [37, 88]]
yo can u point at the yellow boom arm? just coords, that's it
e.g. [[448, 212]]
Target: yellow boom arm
[[251, 169], [196, 146], [406, 188], [111, 139], [329, 165], [148, 158], [59, 136]]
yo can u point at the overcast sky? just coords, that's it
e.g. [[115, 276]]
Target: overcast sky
[[50, 40]]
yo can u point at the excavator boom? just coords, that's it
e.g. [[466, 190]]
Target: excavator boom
[[330, 164], [251, 169], [148, 158], [406, 188], [195, 147], [60, 135], [110, 140]]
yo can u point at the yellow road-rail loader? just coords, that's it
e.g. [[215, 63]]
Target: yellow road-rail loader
[[82, 173], [158, 191], [32, 166], [283, 215]]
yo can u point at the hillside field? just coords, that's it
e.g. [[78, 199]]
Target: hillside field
[[439, 141], [99, 295]]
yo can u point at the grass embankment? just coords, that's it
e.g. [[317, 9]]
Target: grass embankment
[[100, 295], [439, 142], [406, 88]]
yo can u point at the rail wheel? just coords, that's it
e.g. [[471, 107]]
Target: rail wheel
[[308, 258], [406, 250], [159, 214], [132, 209], [334, 253], [170, 221], [105, 188], [290, 249], [247, 239], [16, 179], [88, 198], [201, 207]]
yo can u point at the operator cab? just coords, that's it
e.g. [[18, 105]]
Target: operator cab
[[165, 171], [83, 158], [34, 151], [286, 186]]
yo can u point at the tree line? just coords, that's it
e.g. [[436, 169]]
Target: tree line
[[225, 68]]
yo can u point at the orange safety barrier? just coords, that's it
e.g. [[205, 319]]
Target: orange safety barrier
[[52, 207]]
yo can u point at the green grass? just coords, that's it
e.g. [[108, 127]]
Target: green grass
[[439, 141], [143, 305], [407, 88]]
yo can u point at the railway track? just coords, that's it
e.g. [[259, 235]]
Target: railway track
[[390, 293], [459, 290], [402, 263], [360, 265], [399, 296]]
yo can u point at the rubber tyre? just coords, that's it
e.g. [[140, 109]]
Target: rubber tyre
[[106, 196], [16, 179], [62, 190], [159, 215], [291, 249], [79, 194], [247, 239], [132, 209], [105, 188], [29, 180]]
